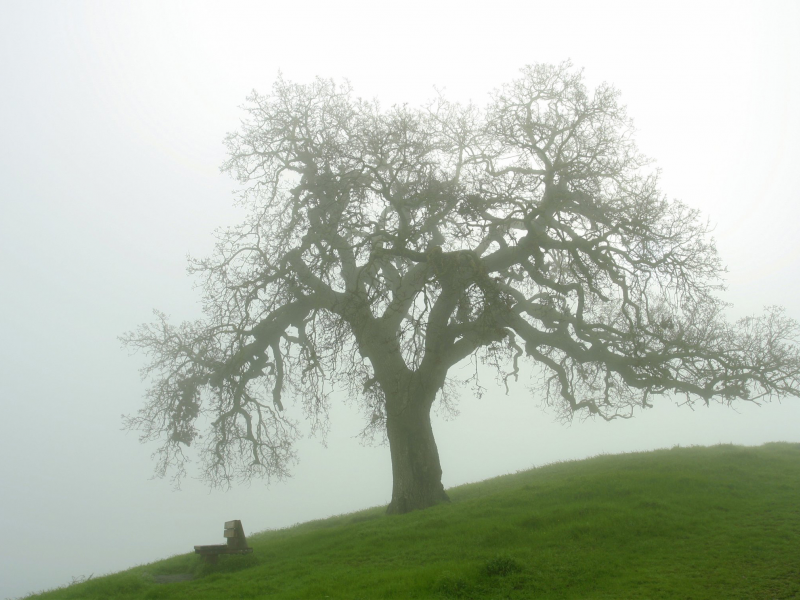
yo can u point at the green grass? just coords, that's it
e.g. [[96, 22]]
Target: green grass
[[719, 522]]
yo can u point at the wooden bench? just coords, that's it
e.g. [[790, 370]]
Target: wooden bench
[[237, 543]]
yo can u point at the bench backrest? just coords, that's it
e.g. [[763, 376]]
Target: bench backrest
[[235, 534]]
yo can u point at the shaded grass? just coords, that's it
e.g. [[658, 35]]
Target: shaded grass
[[719, 522]]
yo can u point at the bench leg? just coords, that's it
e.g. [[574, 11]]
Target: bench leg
[[211, 559]]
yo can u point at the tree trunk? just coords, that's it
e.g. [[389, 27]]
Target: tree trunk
[[416, 471]]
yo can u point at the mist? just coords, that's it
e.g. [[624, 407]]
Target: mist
[[112, 120]]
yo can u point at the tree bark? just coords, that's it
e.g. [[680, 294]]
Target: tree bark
[[416, 470]]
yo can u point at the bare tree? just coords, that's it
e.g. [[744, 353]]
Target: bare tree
[[383, 247]]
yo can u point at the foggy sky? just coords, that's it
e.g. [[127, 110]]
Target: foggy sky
[[111, 122]]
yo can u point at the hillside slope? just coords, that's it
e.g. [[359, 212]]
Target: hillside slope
[[719, 522]]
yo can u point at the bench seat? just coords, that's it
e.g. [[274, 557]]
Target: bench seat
[[237, 543], [221, 549]]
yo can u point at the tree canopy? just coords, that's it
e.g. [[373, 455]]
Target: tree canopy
[[385, 245]]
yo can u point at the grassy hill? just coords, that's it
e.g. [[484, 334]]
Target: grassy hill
[[719, 522]]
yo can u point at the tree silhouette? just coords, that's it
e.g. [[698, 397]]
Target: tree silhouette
[[382, 247]]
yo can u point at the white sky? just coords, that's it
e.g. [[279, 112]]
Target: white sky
[[111, 121]]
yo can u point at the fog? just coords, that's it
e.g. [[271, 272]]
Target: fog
[[111, 122]]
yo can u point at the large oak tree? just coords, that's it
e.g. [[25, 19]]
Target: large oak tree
[[384, 246]]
